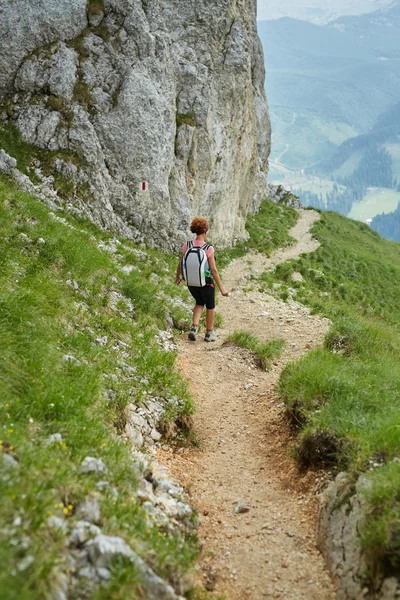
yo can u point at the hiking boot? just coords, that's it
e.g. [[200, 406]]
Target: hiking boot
[[192, 333], [210, 336]]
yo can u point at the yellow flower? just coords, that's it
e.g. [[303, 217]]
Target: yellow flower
[[10, 430], [7, 404], [65, 511], [70, 507]]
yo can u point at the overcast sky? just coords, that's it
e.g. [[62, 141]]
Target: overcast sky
[[317, 11]]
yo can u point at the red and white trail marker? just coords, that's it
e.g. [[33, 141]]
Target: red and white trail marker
[[144, 186]]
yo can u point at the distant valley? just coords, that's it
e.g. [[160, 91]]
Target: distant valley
[[334, 98]]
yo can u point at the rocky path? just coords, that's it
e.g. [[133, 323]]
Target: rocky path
[[257, 513]]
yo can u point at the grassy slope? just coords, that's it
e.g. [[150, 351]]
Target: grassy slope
[[345, 397], [61, 295], [43, 318], [267, 230]]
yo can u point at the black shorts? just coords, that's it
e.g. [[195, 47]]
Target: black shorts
[[204, 295]]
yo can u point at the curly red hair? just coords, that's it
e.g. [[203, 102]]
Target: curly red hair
[[199, 225]]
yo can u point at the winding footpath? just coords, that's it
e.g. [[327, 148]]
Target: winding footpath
[[268, 550]]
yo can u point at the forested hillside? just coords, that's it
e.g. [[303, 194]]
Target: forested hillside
[[333, 94]]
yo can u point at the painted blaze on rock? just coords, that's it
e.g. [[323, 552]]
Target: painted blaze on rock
[[167, 93]]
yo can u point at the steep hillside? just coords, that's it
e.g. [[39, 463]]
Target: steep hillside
[[89, 390], [344, 398], [152, 111]]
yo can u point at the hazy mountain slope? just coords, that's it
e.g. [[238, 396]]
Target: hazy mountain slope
[[336, 79], [316, 11]]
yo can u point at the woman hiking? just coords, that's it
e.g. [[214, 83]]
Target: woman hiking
[[197, 267]]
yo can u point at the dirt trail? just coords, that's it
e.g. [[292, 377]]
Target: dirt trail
[[244, 454]]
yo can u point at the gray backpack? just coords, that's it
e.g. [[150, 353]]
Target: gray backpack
[[194, 265]]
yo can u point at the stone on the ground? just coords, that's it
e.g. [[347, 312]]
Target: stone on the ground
[[57, 523], [102, 549], [82, 532], [241, 507], [89, 510], [93, 465]]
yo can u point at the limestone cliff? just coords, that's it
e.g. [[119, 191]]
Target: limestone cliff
[[120, 92]]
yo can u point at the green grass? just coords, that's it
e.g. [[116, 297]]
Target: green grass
[[345, 397], [267, 229], [58, 295], [265, 352]]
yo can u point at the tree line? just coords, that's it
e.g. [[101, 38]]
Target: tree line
[[388, 225]]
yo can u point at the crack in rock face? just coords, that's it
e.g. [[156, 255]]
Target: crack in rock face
[[162, 108]]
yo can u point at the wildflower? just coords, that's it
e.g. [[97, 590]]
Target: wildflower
[[65, 511]]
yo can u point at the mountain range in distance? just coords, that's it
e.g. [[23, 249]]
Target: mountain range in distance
[[316, 11], [330, 89]]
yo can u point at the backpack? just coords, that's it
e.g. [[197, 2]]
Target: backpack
[[194, 264]]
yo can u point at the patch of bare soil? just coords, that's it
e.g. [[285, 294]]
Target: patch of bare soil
[[258, 513]]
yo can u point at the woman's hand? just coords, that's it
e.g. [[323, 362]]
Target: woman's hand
[[224, 292]]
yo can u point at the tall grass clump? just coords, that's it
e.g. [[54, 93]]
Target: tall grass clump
[[265, 352], [350, 388], [79, 340]]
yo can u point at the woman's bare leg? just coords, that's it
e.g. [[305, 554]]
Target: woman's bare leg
[[197, 312], [210, 314]]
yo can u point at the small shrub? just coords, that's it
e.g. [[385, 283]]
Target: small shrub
[[55, 103], [95, 7], [82, 95], [319, 448], [185, 119]]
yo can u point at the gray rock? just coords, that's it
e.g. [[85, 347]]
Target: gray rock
[[341, 518], [102, 549], [134, 434], [25, 563], [155, 435], [166, 100], [57, 523], [55, 438], [93, 465], [82, 532], [164, 485], [9, 461], [89, 510], [27, 25]]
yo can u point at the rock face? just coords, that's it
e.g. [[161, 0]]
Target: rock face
[[341, 518], [170, 93]]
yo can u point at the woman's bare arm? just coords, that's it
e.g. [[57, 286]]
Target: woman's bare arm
[[215, 274]]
